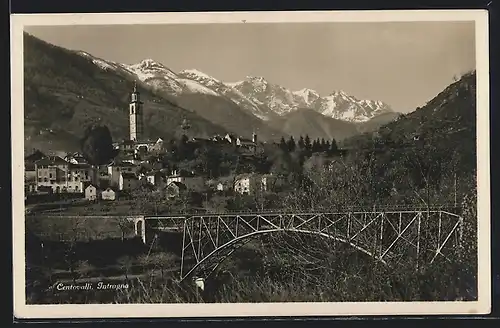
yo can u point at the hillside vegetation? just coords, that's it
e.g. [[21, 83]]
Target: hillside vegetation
[[442, 133]]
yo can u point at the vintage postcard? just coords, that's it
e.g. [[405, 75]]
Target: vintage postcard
[[250, 164]]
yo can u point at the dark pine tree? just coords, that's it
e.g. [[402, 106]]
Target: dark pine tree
[[291, 144], [301, 144], [333, 147], [283, 144], [316, 146], [307, 142], [323, 145]]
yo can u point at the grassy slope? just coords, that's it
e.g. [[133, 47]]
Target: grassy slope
[[65, 91]]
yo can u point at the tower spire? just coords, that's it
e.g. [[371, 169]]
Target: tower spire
[[135, 113]]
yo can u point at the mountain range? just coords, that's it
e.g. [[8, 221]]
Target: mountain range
[[66, 89], [256, 95]]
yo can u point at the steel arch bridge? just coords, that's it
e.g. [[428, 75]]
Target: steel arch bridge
[[389, 236]]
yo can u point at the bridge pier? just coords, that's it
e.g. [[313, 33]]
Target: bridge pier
[[141, 229]]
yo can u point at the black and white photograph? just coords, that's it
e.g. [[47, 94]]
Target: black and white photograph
[[253, 163]]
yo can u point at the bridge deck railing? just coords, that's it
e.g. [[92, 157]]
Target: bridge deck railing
[[391, 208]]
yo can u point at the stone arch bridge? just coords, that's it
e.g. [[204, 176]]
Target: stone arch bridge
[[390, 235]]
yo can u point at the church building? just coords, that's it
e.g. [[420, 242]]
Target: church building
[[136, 143]]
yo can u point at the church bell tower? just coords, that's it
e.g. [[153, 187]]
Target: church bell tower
[[135, 113]]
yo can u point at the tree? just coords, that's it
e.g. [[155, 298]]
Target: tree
[[327, 146], [301, 144], [283, 144], [333, 147], [307, 142], [291, 144], [125, 226], [281, 163], [323, 145], [182, 148], [97, 145], [315, 146]]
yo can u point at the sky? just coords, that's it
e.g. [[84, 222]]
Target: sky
[[404, 64]]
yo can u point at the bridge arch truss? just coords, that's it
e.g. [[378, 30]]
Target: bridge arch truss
[[422, 236]]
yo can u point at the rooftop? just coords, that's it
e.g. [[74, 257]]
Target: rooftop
[[129, 175], [36, 155], [180, 185], [51, 160], [124, 164], [79, 166]]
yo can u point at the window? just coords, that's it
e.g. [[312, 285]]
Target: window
[[45, 180], [50, 175], [39, 179]]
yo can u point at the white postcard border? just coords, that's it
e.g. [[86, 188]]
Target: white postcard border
[[482, 306]]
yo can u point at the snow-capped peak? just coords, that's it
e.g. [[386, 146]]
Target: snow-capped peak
[[258, 79], [308, 96], [192, 73], [341, 93], [233, 84], [148, 64], [103, 64]]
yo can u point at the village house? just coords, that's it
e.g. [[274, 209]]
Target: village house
[[126, 146], [191, 181], [249, 183], [51, 172], [30, 178], [134, 158], [29, 172], [268, 182], [80, 173], [75, 158], [175, 188], [108, 194], [30, 187], [157, 146], [59, 175], [29, 164], [243, 183], [230, 138], [128, 181], [91, 192], [115, 169], [155, 178], [224, 183], [104, 180]]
